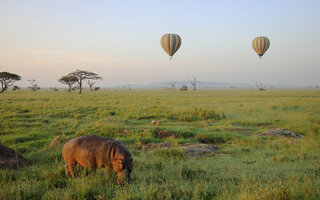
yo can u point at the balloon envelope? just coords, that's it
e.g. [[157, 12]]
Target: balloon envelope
[[170, 43], [260, 45]]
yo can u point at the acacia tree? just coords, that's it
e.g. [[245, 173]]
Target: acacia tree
[[7, 79], [172, 86], [193, 83], [68, 80], [91, 83], [260, 86], [84, 75], [129, 87], [34, 86]]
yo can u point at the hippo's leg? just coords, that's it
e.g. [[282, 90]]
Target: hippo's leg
[[66, 168], [70, 167]]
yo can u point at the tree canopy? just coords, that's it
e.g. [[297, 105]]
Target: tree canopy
[[7, 79], [84, 75], [68, 80]]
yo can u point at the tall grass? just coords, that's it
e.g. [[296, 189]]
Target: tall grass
[[247, 166]]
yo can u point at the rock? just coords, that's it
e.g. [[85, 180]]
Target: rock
[[198, 150], [150, 146], [164, 134], [281, 132], [125, 131], [192, 138], [192, 149], [9, 158], [156, 122], [110, 120]]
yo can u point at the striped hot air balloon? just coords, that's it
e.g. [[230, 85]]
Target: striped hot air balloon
[[260, 45], [170, 43]]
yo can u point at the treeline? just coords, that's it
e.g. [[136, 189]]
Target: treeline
[[73, 80]]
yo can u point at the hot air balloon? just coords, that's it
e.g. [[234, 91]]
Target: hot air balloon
[[260, 45], [170, 43]]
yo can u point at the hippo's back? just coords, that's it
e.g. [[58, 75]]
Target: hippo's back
[[88, 140], [90, 143]]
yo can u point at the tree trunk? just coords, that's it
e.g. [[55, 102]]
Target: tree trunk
[[70, 88], [91, 84], [2, 87], [80, 87]]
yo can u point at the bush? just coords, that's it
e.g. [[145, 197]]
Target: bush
[[213, 138], [15, 88]]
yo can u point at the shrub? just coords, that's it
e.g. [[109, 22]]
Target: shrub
[[15, 87], [213, 138]]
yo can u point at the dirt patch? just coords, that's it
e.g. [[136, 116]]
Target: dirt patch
[[282, 133], [192, 149], [164, 134], [110, 120], [10, 159], [253, 124], [237, 130], [198, 150], [126, 132], [150, 146]]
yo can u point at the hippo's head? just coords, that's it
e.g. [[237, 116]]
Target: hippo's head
[[123, 166]]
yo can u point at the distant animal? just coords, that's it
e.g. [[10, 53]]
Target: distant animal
[[156, 122], [183, 88], [95, 152]]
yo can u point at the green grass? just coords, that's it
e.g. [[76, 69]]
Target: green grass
[[247, 167]]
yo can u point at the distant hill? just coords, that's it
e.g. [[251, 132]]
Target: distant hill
[[207, 84], [201, 84]]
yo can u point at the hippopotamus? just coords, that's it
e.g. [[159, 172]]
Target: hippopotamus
[[95, 152]]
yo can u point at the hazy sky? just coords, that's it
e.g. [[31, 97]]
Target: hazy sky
[[120, 40]]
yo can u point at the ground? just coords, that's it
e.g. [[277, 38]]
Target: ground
[[246, 166]]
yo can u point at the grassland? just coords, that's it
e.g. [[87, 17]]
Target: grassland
[[249, 167]]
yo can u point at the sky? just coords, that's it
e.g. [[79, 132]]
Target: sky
[[120, 40]]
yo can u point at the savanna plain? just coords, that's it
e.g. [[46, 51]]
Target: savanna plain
[[246, 165]]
